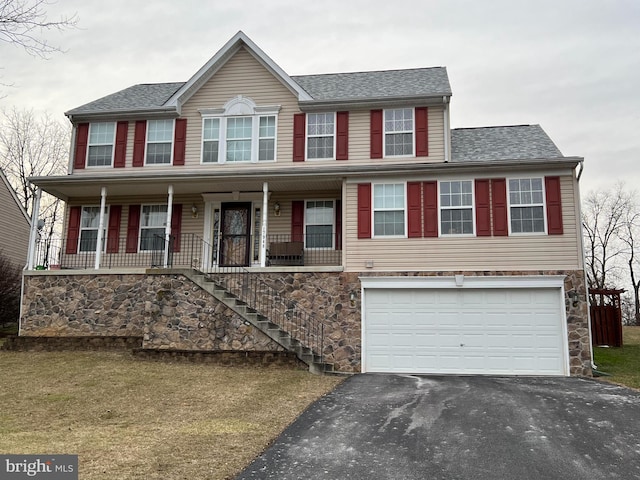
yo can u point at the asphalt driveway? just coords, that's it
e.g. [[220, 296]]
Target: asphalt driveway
[[404, 427]]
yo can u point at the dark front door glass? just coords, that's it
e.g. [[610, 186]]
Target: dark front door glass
[[235, 243]]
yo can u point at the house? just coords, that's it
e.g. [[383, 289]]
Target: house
[[15, 225], [337, 216]]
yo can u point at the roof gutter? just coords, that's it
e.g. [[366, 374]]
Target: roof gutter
[[372, 102], [118, 115]]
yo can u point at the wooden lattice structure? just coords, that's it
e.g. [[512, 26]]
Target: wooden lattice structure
[[606, 317]]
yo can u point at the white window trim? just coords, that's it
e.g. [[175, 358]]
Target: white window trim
[[333, 223], [374, 210], [113, 146], [306, 138], [238, 107], [146, 144], [544, 206], [140, 227], [473, 209], [105, 225], [384, 134]]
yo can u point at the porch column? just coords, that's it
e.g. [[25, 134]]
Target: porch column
[[33, 233], [264, 223], [100, 241], [167, 227]]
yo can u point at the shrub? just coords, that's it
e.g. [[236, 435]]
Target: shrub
[[10, 283]]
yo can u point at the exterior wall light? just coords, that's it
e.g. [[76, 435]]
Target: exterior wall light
[[276, 209], [194, 211]]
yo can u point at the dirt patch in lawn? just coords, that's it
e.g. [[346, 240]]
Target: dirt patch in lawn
[[133, 419]]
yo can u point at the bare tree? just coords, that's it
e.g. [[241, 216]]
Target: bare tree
[[630, 236], [34, 147], [23, 22], [603, 217]]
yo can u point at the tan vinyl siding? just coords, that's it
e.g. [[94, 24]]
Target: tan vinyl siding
[[14, 228], [241, 75], [521, 252]]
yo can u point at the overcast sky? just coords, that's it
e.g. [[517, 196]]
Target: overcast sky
[[572, 66]]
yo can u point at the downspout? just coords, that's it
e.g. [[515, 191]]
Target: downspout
[[447, 132], [72, 150], [167, 227], [264, 224], [584, 263], [100, 241], [35, 213]]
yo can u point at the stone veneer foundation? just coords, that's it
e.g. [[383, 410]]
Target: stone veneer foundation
[[172, 313]]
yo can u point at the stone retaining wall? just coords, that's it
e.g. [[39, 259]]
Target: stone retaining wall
[[170, 312]]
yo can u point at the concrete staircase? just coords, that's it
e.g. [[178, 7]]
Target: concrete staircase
[[261, 322]]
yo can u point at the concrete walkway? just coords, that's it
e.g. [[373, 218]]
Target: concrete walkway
[[404, 427]]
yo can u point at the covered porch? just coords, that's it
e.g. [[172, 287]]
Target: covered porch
[[195, 220]]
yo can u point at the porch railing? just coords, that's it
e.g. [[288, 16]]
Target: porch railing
[[276, 305], [190, 251]]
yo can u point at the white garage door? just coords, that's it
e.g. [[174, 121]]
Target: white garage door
[[464, 331]]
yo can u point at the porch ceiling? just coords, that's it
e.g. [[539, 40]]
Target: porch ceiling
[[85, 186]]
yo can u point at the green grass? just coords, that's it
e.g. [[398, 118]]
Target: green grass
[[623, 363], [130, 419]]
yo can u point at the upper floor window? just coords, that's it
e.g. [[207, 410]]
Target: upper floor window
[[526, 205], [159, 142], [388, 209], [239, 132], [153, 220], [100, 144], [319, 224], [320, 135], [456, 207], [89, 227], [398, 132]]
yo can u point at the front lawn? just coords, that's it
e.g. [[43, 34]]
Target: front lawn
[[132, 419], [623, 364]]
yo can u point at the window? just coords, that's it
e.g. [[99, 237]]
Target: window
[[398, 132], [239, 139], [89, 226], [319, 224], [526, 205], [152, 227], [210, 140], [320, 135], [456, 207], [388, 209], [159, 141], [101, 139]]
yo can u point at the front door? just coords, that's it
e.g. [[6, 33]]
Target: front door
[[235, 229]]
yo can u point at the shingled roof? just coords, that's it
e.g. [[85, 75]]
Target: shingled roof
[[417, 82], [517, 142]]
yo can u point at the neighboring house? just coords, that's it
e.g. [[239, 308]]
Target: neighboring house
[[15, 225], [342, 210]]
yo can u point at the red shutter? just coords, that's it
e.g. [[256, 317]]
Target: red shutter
[[133, 228], [499, 206], [414, 206], [554, 205], [430, 202], [338, 225], [82, 140], [342, 138], [299, 121], [73, 230], [483, 208], [176, 226], [376, 133], [297, 221], [139, 141], [113, 233], [119, 159], [364, 210], [422, 132], [180, 141]]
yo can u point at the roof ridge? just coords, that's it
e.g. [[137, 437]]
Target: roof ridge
[[369, 71], [498, 126]]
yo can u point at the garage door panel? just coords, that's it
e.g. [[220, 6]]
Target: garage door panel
[[461, 331]]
